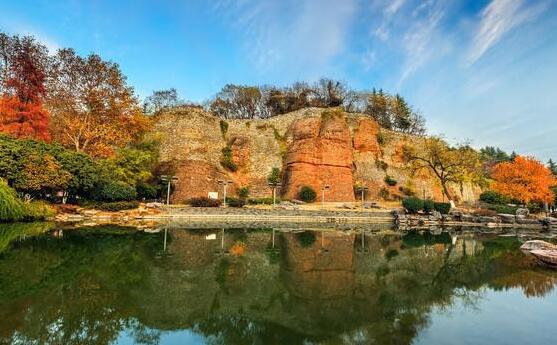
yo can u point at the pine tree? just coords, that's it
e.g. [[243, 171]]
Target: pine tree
[[552, 166]]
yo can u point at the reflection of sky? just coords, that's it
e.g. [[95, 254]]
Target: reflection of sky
[[168, 338], [499, 317]]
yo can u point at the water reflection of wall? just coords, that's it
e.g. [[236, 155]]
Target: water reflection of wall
[[323, 269]]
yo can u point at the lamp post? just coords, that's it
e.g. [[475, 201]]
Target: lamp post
[[169, 179], [323, 189], [224, 185], [362, 190], [274, 186]]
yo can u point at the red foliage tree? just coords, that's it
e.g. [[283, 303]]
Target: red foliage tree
[[27, 76], [23, 120], [22, 75]]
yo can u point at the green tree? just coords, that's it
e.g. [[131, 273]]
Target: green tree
[[552, 166], [274, 176], [378, 108]]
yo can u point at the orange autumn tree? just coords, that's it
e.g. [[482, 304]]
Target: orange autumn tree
[[524, 179], [23, 120], [93, 109]]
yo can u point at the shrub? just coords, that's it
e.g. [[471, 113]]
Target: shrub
[[235, 202], [407, 191], [243, 192], [381, 140], [38, 210], [262, 201], [226, 159], [204, 202], [116, 205], [492, 197], [223, 128], [413, 205], [381, 165], [116, 191], [11, 208], [429, 205], [307, 194], [502, 208], [390, 181], [146, 190], [534, 207], [442, 207], [384, 193]]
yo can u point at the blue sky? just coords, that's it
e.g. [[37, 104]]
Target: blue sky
[[483, 71]]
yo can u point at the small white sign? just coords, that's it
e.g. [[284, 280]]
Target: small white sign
[[213, 195], [211, 237]]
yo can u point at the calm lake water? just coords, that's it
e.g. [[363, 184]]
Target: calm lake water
[[115, 285]]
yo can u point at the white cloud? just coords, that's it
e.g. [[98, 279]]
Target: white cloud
[[299, 35], [498, 18]]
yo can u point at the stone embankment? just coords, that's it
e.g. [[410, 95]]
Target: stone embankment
[[457, 218], [290, 214]]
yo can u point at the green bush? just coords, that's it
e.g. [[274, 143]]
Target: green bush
[[442, 207], [429, 205], [262, 201], [243, 192], [407, 191], [381, 165], [381, 140], [235, 202], [226, 159], [390, 181], [11, 208], [413, 205], [384, 193], [116, 205], [146, 190], [307, 194], [534, 207], [38, 210], [492, 197], [204, 202], [223, 128], [501, 208], [116, 191]]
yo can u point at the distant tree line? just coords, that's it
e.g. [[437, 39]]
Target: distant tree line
[[261, 102]]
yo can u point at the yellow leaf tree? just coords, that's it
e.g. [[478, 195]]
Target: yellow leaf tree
[[93, 109]]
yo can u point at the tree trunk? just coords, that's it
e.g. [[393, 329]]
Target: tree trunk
[[446, 190]]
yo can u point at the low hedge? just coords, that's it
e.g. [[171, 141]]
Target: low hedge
[[442, 207], [492, 197], [413, 205], [429, 205], [262, 201], [506, 209], [235, 202], [204, 202]]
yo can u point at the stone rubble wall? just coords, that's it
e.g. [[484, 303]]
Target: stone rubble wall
[[311, 146]]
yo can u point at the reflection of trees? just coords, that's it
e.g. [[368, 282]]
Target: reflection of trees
[[533, 284], [90, 286], [21, 231]]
